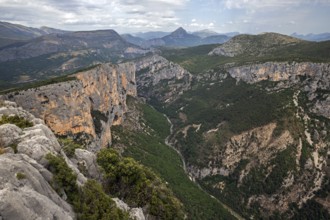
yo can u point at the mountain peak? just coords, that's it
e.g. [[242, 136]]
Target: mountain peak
[[179, 32]]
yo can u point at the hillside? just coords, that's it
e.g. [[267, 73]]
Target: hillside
[[55, 54], [15, 33], [249, 49], [254, 45]]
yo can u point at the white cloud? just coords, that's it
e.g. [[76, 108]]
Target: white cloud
[[259, 3], [90, 14], [255, 4]]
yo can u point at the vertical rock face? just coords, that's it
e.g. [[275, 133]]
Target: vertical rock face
[[87, 106], [274, 71], [313, 78], [158, 77]]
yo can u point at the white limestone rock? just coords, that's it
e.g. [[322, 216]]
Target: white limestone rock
[[25, 193]]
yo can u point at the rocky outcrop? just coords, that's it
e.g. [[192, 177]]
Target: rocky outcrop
[[257, 145], [86, 161], [24, 181], [274, 71], [313, 78], [25, 192], [154, 70], [87, 106], [134, 213]]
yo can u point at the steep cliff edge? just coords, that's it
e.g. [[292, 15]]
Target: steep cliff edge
[[311, 78], [86, 106], [157, 77]]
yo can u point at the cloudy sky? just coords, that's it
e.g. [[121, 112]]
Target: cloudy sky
[[128, 16]]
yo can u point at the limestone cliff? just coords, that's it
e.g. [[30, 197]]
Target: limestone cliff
[[312, 78], [87, 106], [161, 78]]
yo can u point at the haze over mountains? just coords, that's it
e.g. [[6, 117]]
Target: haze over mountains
[[11, 33], [32, 53]]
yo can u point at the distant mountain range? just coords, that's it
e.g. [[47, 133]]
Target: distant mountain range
[[179, 38], [151, 34], [42, 53], [27, 54], [12, 33], [313, 37]]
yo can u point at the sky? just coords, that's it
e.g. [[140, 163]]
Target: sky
[[129, 16]]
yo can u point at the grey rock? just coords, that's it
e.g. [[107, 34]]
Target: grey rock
[[30, 196], [137, 214], [87, 160], [134, 213], [155, 69], [9, 134]]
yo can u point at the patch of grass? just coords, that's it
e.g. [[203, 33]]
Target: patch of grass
[[155, 120], [20, 176], [16, 120], [2, 150], [14, 147], [69, 146]]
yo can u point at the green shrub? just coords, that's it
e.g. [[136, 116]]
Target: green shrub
[[63, 177], [69, 146], [16, 120], [20, 176], [93, 204], [14, 147], [89, 201], [138, 186]]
